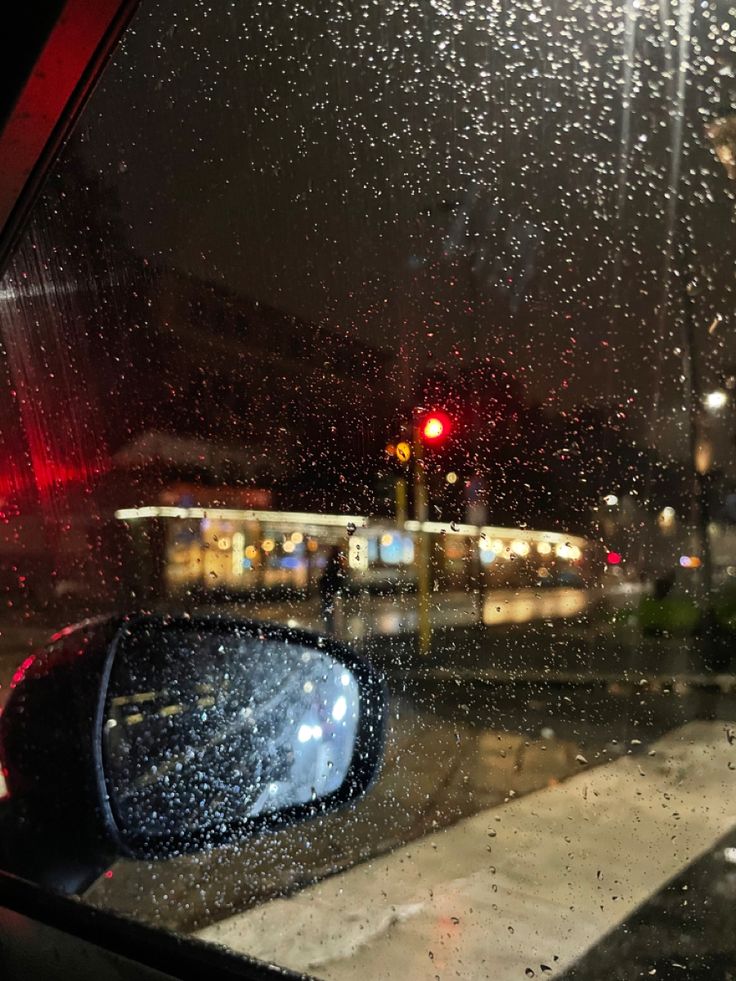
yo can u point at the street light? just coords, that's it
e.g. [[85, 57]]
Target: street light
[[715, 401]]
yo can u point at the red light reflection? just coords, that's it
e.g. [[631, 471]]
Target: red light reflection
[[21, 671]]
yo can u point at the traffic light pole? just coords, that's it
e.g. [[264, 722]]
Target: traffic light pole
[[400, 491], [421, 553]]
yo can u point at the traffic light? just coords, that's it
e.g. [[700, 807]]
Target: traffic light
[[403, 451], [435, 427]]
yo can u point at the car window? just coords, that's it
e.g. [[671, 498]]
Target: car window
[[409, 324]]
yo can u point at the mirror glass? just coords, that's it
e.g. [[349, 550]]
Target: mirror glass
[[205, 727]]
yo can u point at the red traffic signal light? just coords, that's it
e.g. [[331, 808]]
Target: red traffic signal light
[[435, 427]]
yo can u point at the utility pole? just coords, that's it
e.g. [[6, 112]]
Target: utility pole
[[700, 514], [421, 550], [400, 502]]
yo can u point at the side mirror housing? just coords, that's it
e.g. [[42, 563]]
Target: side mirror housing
[[152, 736]]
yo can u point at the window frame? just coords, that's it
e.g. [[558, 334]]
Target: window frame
[[60, 50]]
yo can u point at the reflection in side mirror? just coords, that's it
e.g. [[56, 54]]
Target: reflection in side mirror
[[209, 726]]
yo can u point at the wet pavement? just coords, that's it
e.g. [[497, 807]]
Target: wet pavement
[[515, 891], [490, 717], [383, 627], [525, 634], [685, 931]]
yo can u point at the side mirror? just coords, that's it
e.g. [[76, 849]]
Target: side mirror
[[153, 736]]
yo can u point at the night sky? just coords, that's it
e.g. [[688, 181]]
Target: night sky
[[449, 180], [389, 165]]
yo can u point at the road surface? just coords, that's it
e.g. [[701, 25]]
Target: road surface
[[519, 890], [361, 621]]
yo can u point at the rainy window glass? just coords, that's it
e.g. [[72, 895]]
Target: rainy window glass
[[407, 325]]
